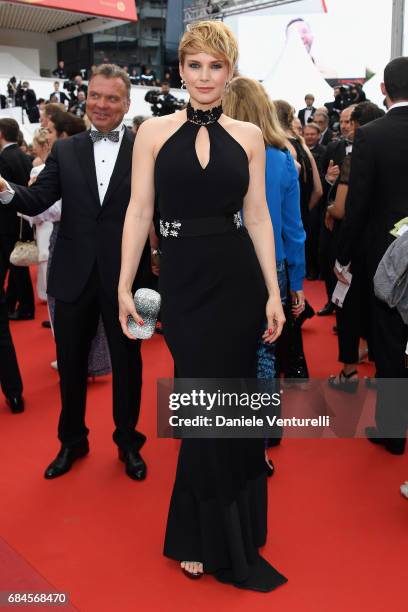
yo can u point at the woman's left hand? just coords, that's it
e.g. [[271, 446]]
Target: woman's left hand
[[276, 319]]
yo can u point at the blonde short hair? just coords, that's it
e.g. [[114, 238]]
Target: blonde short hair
[[40, 136], [212, 37]]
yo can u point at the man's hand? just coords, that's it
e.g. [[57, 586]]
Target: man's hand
[[339, 272], [3, 184], [333, 172]]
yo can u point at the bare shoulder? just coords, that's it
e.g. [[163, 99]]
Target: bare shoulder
[[247, 134], [155, 131]]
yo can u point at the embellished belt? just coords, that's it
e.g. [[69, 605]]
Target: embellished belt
[[205, 226]]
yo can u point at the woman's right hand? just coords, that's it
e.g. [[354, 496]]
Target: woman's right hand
[[127, 309]]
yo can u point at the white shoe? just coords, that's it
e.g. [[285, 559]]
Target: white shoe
[[54, 364], [404, 489]]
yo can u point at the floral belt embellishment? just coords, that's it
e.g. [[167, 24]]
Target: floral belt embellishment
[[169, 228], [237, 220]]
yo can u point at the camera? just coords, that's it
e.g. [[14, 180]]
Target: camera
[[163, 104], [69, 86]]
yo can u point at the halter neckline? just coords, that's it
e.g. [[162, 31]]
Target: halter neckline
[[203, 117]]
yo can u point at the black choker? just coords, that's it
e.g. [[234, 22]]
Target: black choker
[[203, 117]]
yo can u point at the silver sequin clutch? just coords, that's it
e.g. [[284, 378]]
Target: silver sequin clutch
[[147, 303]]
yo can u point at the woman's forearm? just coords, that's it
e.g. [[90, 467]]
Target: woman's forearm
[[261, 233], [135, 233]]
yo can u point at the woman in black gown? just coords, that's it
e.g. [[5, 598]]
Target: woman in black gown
[[216, 280]]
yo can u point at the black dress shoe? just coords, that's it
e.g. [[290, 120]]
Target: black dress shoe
[[64, 460], [135, 466], [395, 446], [15, 403], [46, 324], [21, 316], [327, 310]]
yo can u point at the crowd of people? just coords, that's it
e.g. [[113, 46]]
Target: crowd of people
[[331, 193], [73, 93]]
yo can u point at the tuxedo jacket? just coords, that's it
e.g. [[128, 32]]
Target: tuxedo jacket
[[336, 151], [89, 233], [327, 138], [15, 166], [301, 114], [61, 95], [378, 187]]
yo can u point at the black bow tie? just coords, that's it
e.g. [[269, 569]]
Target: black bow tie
[[96, 135]]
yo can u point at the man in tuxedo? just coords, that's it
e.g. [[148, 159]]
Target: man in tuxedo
[[91, 172], [377, 200], [311, 134], [322, 120], [15, 166], [61, 96], [306, 114]]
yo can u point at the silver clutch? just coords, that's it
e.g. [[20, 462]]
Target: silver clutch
[[147, 304]]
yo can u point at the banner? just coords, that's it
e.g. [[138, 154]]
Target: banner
[[116, 9]]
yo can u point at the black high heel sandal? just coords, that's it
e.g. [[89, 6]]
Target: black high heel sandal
[[344, 382]]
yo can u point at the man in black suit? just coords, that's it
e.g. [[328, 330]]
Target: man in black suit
[[332, 161], [306, 114], [322, 120], [60, 70], [60, 96], [10, 377], [79, 86], [377, 200], [91, 172], [311, 134], [26, 98], [15, 166]]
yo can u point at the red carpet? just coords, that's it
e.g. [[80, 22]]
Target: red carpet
[[338, 527]]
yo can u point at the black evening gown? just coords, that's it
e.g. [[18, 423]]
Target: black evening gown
[[213, 309]]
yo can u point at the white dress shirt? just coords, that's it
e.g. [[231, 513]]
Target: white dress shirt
[[106, 153], [398, 105], [308, 114]]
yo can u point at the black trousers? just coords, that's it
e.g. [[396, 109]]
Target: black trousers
[[75, 327], [354, 318], [10, 378], [327, 257], [390, 335], [19, 288]]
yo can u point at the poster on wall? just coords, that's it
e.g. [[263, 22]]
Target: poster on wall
[[117, 9]]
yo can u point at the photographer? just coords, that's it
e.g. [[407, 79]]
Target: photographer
[[163, 102], [12, 90], [74, 87], [26, 98], [79, 106]]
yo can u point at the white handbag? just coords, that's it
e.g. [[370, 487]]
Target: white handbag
[[24, 253]]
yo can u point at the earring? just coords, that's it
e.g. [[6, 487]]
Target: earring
[[183, 84]]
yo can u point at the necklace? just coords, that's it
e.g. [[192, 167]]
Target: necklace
[[203, 117]]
